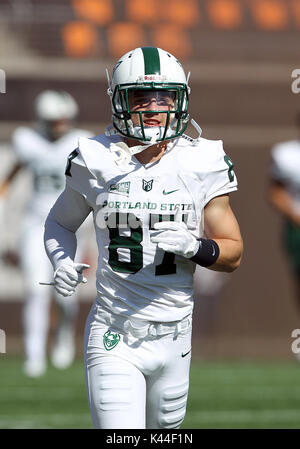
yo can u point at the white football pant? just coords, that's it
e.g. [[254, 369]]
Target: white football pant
[[138, 383]]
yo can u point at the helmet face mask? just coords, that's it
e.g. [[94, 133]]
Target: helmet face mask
[[149, 105], [129, 119]]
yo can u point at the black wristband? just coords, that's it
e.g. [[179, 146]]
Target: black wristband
[[207, 253]]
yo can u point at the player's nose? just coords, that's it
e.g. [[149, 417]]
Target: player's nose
[[152, 104]]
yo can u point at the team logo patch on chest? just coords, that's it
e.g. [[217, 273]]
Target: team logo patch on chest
[[110, 340], [121, 187], [147, 185]]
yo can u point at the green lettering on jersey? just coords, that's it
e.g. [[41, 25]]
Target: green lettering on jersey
[[121, 187], [133, 244], [230, 164]]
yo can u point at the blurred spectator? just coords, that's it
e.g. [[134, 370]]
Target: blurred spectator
[[284, 195], [43, 150]]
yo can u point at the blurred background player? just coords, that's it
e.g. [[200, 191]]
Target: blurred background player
[[43, 150], [284, 195]]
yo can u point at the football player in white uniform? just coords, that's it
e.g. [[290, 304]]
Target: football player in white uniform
[[153, 193], [284, 195], [43, 151]]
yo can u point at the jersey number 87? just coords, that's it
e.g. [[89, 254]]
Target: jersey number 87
[[133, 244]]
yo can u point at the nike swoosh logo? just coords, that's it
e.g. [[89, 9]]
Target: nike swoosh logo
[[183, 355], [171, 191]]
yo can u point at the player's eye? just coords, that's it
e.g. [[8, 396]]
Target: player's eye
[[144, 98]]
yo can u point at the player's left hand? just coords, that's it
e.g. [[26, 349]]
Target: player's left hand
[[176, 238]]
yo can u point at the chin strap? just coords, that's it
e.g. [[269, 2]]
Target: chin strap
[[123, 153], [198, 129]]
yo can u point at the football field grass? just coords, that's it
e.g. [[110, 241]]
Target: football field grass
[[222, 395]]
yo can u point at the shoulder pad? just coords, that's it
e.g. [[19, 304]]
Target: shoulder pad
[[96, 153], [24, 132]]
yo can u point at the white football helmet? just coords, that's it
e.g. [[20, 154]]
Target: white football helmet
[[150, 70], [52, 105]]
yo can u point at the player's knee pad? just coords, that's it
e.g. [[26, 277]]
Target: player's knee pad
[[172, 406], [111, 387], [115, 391], [116, 394]]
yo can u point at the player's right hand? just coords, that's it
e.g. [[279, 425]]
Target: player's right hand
[[67, 276]]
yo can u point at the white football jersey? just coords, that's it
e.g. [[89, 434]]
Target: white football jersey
[[134, 277], [47, 162], [285, 168]]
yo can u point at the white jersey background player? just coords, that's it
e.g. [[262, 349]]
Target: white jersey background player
[[43, 150], [160, 206], [284, 195]]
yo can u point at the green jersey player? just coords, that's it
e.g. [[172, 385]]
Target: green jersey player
[[160, 205]]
